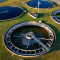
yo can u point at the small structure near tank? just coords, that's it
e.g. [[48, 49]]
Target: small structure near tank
[[34, 15]]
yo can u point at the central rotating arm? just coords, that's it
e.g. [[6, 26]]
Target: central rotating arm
[[28, 44], [39, 42]]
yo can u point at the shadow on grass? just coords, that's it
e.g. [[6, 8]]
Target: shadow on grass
[[57, 43], [40, 15]]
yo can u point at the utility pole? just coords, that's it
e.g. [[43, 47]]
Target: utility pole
[[38, 6]]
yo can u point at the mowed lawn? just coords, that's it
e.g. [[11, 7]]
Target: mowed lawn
[[44, 16]]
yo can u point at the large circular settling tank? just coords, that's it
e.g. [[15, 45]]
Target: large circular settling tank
[[42, 4], [29, 39], [9, 13], [56, 16]]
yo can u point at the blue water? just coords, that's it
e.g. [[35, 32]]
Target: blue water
[[12, 12], [2, 0], [44, 4]]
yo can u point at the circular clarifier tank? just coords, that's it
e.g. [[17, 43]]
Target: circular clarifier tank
[[42, 4], [56, 16], [9, 13], [29, 39]]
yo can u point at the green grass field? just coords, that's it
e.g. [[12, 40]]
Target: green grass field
[[44, 16]]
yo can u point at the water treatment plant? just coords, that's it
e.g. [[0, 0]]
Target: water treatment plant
[[29, 30]]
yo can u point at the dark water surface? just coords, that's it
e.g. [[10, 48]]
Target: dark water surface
[[9, 12], [38, 32], [44, 4]]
